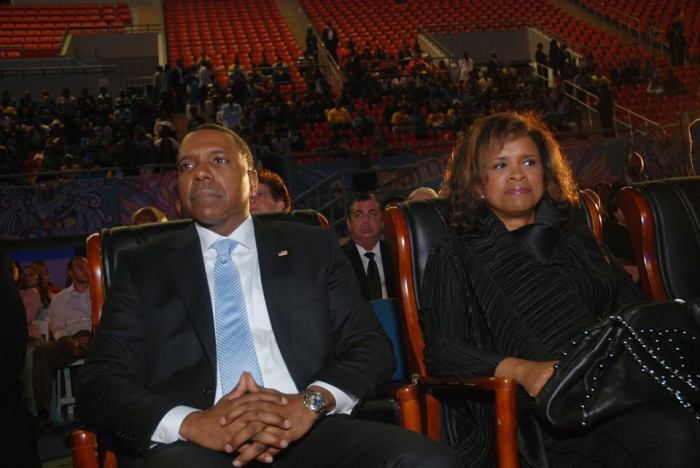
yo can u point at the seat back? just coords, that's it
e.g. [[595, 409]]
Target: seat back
[[663, 217], [591, 204], [411, 228], [103, 248]]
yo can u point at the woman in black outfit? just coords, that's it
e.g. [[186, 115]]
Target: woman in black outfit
[[518, 276]]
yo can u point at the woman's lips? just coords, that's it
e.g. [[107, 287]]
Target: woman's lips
[[518, 191]]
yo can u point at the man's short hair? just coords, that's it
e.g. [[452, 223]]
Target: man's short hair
[[72, 261], [362, 196], [236, 138], [422, 193], [277, 187]]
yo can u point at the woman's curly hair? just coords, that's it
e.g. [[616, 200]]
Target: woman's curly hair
[[465, 168]]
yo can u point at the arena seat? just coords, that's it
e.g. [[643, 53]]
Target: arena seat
[[393, 24], [194, 25], [36, 30], [662, 216]]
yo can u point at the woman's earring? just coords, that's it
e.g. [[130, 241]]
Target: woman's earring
[[482, 197]]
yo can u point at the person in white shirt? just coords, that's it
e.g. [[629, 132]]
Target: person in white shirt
[[70, 323], [466, 66], [230, 113]]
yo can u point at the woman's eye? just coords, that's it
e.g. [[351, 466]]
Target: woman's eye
[[499, 165], [185, 166], [530, 162]]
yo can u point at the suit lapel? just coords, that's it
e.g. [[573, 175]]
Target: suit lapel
[[388, 266], [187, 268], [358, 266], [274, 259]]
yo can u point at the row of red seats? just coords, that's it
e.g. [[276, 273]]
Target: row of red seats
[[225, 29], [646, 15], [36, 30], [391, 25]]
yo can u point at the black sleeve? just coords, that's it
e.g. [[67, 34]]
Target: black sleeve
[[456, 335], [364, 356], [112, 392], [13, 332]]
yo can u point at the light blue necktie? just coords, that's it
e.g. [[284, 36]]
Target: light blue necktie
[[235, 351]]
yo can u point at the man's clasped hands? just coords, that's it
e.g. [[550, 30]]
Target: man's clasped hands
[[254, 421]]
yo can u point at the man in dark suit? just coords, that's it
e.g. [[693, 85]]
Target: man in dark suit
[[285, 320], [368, 254], [17, 443], [178, 81], [330, 39]]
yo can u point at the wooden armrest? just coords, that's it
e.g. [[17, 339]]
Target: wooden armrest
[[409, 406], [494, 384], [83, 444], [504, 389]]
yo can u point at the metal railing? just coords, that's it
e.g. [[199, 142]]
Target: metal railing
[[108, 29], [80, 174], [492, 25], [23, 72], [333, 73], [328, 193], [625, 118]]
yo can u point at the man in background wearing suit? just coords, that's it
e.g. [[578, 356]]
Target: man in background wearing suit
[[239, 340], [368, 255]]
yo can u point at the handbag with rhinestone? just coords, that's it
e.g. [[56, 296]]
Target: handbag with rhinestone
[[646, 351]]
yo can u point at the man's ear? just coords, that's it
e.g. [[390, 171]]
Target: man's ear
[[253, 180], [280, 205]]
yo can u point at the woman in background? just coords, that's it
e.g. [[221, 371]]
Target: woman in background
[[34, 291], [516, 278]]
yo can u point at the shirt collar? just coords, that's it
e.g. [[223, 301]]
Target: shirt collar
[[243, 234], [376, 249]]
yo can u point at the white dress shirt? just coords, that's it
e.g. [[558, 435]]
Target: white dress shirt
[[69, 312], [378, 260], [272, 366]]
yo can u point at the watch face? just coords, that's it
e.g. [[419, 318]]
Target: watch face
[[315, 402]]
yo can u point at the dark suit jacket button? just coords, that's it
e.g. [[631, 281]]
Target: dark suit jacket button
[[207, 391]]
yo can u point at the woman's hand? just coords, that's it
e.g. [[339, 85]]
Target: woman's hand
[[532, 375]]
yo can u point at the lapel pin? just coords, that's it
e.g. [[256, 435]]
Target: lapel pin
[[282, 253]]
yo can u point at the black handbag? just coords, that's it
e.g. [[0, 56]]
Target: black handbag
[[647, 351]]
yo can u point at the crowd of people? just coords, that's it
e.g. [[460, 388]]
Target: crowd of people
[[420, 96], [71, 132], [384, 99]]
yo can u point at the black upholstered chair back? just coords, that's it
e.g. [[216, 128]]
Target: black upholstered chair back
[[426, 221], [664, 221], [411, 229], [116, 239]]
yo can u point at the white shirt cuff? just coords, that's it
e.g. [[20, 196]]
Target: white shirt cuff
[[168, 429], [344, 402]]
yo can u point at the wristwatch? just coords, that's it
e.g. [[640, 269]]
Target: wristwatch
[[315, 401]]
